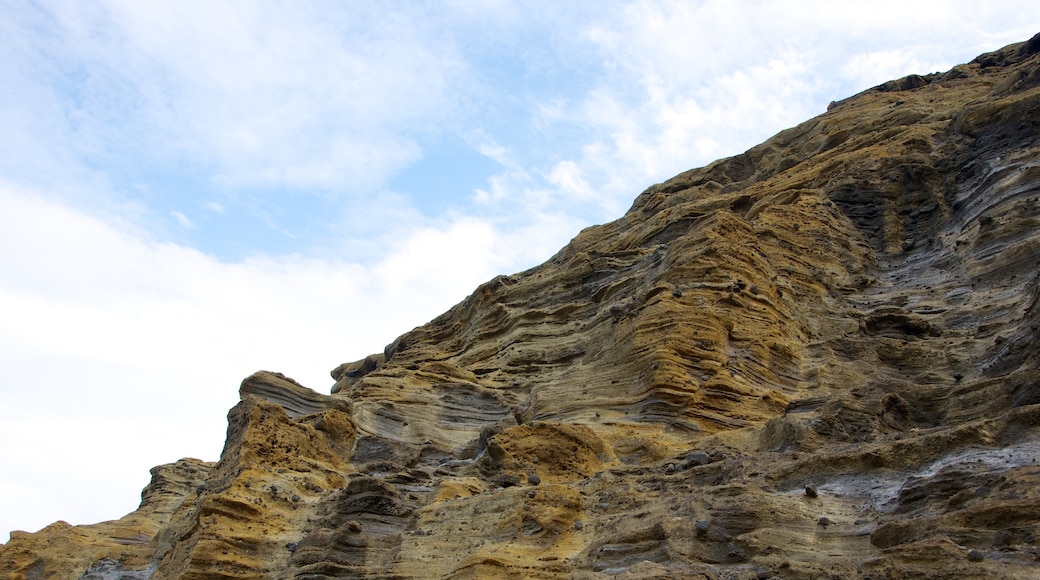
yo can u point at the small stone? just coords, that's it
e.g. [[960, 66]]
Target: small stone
[[353, 526], [958, 376], [698, 458], [823, 522], [520, 413], [531, 494], [701, 527], [291, 546], [295, 498], [670, 468], [975, 556], [677, 293], [810, 491], [533, 479], [579, 525], [507, 480]]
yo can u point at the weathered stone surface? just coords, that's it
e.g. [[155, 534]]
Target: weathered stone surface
[[117, 548], [296, 399], [851, 308]]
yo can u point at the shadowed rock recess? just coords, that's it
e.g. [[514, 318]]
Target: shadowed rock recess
[[817, 359]]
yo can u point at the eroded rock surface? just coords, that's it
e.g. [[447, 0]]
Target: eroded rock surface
[[815, 359]]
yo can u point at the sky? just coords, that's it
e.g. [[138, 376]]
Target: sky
[[193, 191]]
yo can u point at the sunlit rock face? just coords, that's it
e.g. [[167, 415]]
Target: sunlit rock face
[[815, 359]]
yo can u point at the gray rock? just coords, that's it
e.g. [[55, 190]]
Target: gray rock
[[697, 458]]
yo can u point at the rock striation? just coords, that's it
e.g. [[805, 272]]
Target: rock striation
[[815, 359]]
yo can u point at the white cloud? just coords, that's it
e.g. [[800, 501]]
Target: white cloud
[[494, 151], [121, 352], [874, 67], [182, 220], [224, 90], [567, 177], [684, 83]]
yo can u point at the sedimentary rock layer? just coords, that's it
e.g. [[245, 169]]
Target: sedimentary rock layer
[[815, 359]]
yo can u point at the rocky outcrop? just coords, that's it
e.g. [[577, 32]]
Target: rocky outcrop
[[815, 359], [296, 399], [108, 550]]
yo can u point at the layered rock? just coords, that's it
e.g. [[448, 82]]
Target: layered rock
[[817, 358]]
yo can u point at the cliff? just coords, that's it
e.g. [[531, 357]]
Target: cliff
[[815, 359]]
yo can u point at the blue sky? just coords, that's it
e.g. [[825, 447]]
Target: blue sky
[[191, 191]]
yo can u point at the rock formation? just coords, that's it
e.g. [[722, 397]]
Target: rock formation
[[815, 359]]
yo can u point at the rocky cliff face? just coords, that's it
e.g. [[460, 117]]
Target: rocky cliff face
[[815, 359]]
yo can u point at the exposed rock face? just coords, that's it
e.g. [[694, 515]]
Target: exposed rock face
[[815, 359]]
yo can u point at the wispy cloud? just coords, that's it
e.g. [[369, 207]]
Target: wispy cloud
[[298, 95], [683, 83], [182, 220]]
